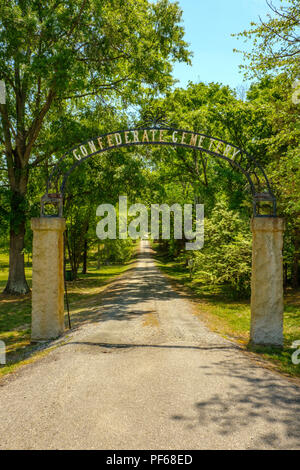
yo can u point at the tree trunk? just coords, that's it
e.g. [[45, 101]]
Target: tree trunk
[[295, 263], [98, 257], [17, 283], [18, 142], [285, 274], [71, 258], [84, 264]]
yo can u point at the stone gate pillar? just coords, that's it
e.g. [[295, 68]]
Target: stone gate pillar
[[47, 278], [267, 281]]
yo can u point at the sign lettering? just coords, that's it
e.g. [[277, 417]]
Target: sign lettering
[[156, 136]]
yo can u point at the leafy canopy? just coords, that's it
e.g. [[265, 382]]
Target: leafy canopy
[[276, 41]]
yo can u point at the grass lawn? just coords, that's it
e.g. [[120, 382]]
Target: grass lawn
[[15, 312], [231, 318]]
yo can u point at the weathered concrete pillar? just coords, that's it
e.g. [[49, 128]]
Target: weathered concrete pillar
[[267, 281], [47, 278]]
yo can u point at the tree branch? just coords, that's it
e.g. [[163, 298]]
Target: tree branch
[[36, 125], [104, 86], [8, 144]]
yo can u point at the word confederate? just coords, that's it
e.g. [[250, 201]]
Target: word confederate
[[155, 136]]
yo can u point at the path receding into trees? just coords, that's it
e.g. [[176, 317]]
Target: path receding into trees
[[147, 374]]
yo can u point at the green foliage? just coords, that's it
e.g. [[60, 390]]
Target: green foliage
[[275, 41], [267, 126], [281, 117], [116, 251], [226, 255], [58, 58], [72, 71]]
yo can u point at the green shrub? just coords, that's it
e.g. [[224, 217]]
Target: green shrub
[[226, 255]]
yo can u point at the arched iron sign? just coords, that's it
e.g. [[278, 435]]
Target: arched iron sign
[[156, 132]]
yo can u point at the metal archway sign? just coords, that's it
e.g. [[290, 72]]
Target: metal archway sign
[[267, 274], [160, 134]]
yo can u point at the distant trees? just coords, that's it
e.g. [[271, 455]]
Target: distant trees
[[226, 255], [276, 41], [56, 55], [72, 69], [275, 60], [267, 125]]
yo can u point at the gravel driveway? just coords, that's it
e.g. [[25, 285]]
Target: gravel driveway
[[147, 374]]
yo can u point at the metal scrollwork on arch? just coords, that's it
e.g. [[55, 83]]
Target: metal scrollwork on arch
[[154, 130]]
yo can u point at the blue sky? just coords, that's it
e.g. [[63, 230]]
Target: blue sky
[[208, 25]]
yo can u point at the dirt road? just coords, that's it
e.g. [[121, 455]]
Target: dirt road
[[147, 375]]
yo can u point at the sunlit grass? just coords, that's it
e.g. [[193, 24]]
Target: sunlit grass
[[4, 263], [15, 311]]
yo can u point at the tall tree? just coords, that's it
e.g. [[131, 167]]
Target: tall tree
[[275, 59], [76, 49], [276, 40]]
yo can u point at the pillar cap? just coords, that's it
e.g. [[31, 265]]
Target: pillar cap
[[267, 224], [48, 223]]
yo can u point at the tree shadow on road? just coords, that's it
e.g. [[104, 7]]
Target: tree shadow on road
[[156, 346], [264, 405], [121, 300]]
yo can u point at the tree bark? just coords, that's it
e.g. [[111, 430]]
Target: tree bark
[[84, 264], [285, 274], [17, 157], [295, 263], [17, 283], [71, 259], [98, 257]]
